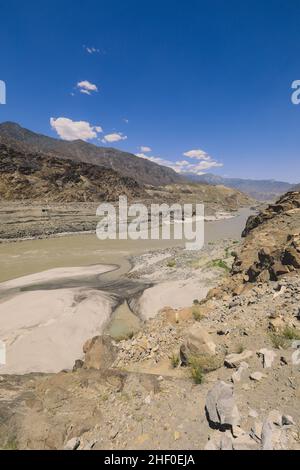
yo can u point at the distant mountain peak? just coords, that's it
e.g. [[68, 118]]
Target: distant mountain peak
[[262, 190]]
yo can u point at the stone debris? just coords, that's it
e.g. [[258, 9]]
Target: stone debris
[[238, 374], [253, 414], [72, 444], [267, 435], [288, 420], [256, 431], [275, 417]]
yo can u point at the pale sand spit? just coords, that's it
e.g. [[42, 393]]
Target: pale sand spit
[[44, 331]]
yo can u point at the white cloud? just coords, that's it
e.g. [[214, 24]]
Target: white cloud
[[197, 154], [145, 149], [115, 137], [87, 87], [93, 50], [202, 162], [72, 130], [126, 120]]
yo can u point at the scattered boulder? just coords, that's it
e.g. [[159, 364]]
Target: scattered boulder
[[288, 420], [268, 357], [198, 343], [238, 374], [257, 376], [100, 353], [221, 408], [266, 435], [256, 431], [72, 444], [275, 417], [234, 360], [296, 358]]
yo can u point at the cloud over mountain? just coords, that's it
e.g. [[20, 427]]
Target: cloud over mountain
[[74, 130], [199, 161]]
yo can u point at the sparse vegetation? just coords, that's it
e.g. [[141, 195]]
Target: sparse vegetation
[[125, 337], [291, 333], [197, 315], [201, 365], [240, 349], [282, 339], [11, 444], [197, 372], [221, 264], [171, 263], [175, 361], [278, 341]]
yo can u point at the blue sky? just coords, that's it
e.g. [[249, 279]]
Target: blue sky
[[202, 83]]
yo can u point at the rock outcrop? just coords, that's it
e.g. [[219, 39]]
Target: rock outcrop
[[271, 247]]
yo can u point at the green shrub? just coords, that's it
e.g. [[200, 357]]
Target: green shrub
[[171, 263], [278, 341], [175, 361], [197, 314], [291, 333], [282, 339], [197, 372]]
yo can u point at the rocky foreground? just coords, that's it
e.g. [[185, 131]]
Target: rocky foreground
[[221, 374]]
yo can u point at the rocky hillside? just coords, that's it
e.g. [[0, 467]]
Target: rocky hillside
[[215, 198], [272, 243], [40, 177], [261, 190], [127, 164]]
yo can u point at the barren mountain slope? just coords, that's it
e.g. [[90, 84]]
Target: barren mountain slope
[[127, 164], [39, 177]]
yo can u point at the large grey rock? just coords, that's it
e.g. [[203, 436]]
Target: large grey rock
[[220, 406]]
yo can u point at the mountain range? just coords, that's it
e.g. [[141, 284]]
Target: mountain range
[[127, 164], [261, 190]]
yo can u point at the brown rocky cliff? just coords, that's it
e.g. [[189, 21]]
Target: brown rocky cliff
[[272, 242]]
